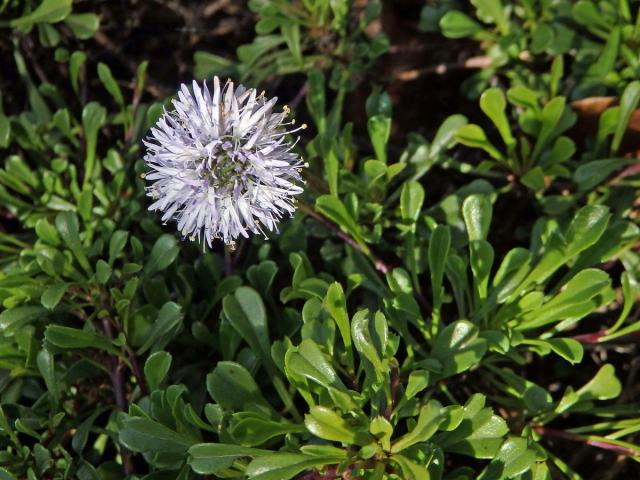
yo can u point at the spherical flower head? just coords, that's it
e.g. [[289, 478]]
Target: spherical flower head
[[221, 165]]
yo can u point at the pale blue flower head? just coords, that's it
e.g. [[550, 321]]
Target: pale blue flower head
[[221, 164]]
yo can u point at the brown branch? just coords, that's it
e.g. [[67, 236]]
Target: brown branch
[[27, 49], [332, 472], [379, 264], [117, 382], [135, 369], [299, 96], [574, 437], [395, 386], [591, 338]]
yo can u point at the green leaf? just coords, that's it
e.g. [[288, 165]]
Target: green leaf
[[206, 65], [246, 313], [630, 290], [5, 127], [411, 200], [438, 251], [284, 466], [46, 366], [110, 84], [603, 386], [568, 348], [628, 103], [116, 244], [16, 318], [586, 228], [430, 417], [76, 61], [261, 275], [94, 116], [306, 360], [481, 260], [534, 179], [326, 424], [169, 322], [316, 99], [455, 24], [335, 210], [523, 97], [513, 269], [291, 34], [233, 387], [49, 11], [250, 428], [145, 435], [458, 348], [444, 137], [103, 272], [577, 298], [52, 295], [81, 436], [534, 398], [66, 337], [590, 174], [492, 11], [477, 213], [493, 105], [156, 368], [6, 475], [164, 252], [607, 59], [83, 25], [550, 117], [211, 458], [382, 429], [586, 13], [418, 381], [379, 127], [69, 230], [556, 75], [410, 469], [336, 304], [514, 458], [480, 434], [365, 342], [473, 136]]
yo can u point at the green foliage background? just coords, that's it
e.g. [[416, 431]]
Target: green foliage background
[[458, 305]]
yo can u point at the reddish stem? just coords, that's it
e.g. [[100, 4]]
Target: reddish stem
[[574, 437]]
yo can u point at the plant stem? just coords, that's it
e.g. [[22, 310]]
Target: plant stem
[[283, 393], [379, 264], [135, 369], [117, 382], [587, 440]]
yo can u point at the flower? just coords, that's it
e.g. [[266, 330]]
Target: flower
[[221, 165]]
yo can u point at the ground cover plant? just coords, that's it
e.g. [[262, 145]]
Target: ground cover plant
[[421, 262]]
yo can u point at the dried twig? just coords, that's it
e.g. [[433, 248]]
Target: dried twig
[[471, 63]]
